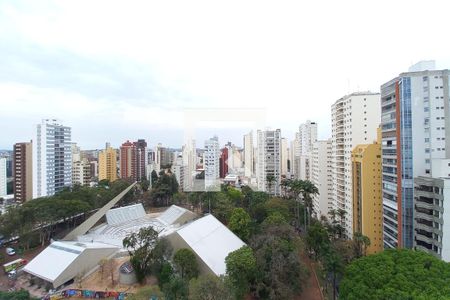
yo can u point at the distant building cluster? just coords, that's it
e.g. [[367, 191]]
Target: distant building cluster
[[384, 172]]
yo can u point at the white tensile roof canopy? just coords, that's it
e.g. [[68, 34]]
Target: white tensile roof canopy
[[211, 241], [207, 237], [62, 261]]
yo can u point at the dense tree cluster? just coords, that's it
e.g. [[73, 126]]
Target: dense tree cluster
[[270, 267], [147, 252], [396, 274], [17, 295], [35, 221], [164, 187], [333, 251], [186, 263]]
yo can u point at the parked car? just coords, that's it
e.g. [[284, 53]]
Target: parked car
[[10, 251]]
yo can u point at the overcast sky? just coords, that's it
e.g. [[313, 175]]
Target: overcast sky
[[126, 70]]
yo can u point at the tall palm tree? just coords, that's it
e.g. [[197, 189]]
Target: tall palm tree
[[295, 188], [285, 184], [270, 180], [309, 190], [361, 242]]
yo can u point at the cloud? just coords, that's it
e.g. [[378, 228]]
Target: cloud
[[116, 70]]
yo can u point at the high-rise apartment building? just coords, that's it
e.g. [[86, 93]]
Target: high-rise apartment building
[[81, 168], [81, 172], [211, 162], [294, 157], [307, 137], [415, 131], [52, 158], [141, 159], [164, 157], [432, 211], [189, 162], [367, 199], [128, 161], [284, 157], [223, 161], [3, 179], [249, 162], [23, 172], [354, 120], [269, 161], [178, 170], [321, 177]]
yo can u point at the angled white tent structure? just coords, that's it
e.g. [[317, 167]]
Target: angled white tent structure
[[210, 240], [81, 251], [62, 261]]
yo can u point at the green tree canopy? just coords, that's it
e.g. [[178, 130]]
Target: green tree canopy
[[186, 263], [140, 246], [240, 223], [176, 289], [146, 293], [17, 295], [317, 239], [241, 267], [279, 273], [396, 274], [275, 218], [278, 205], [208, 287]]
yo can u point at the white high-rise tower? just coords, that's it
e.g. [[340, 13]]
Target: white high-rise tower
[[52, 158], [354, 120], [269, 161], [211, 162], [249, 169], [307, 137]]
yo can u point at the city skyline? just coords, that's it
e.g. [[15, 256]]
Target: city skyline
[[136, 82]]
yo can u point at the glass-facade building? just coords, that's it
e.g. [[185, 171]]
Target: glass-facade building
[[413, 119]]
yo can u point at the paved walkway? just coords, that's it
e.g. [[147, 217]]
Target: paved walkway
[[311, 289]]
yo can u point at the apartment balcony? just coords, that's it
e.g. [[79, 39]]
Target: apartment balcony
[[424, 193], [428, 217], [428, 228], [426, 205], [428, 240], [385, 103], [340, 153], [420, 247], [340, 189]]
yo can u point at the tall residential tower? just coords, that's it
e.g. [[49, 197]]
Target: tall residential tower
[[52, 158], [269, 161], [354, 120], [23, 172], [415, 136]]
